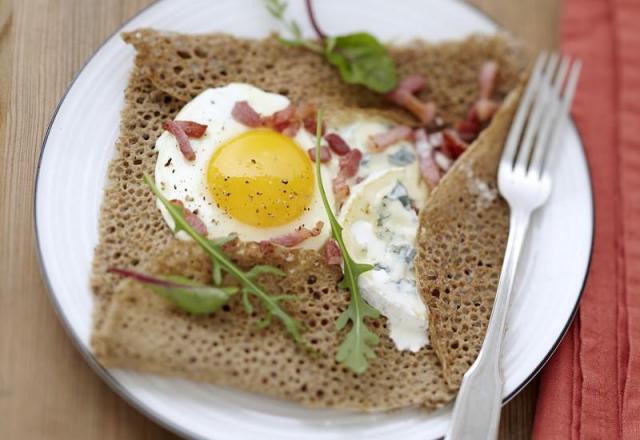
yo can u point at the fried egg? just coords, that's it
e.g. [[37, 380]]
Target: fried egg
[[253, 182], [261, 184]]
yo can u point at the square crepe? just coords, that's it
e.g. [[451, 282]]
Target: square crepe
[[134, 328]]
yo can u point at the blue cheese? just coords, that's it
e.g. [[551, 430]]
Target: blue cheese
[[380, 225]]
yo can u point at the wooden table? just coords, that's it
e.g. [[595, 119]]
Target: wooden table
[[46, 388]]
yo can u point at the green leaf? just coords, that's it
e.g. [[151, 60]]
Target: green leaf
[[260, 269], [216, 273], [186, 294], [290, 42], [263, 323], [276, 8], [216, 268], [246, 302], [362, 59], [213, 249], [357, 347], [224, 240], [198, 299]]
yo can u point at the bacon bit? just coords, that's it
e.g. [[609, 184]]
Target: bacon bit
[[286, 121], [452, 145], [266, 247], [306, 113], [485, 109], [325, 154], [182, 138], [332, 252], [379, 142], [231, 245], [424, 111], [284, 116], [349, 164], [469, 128], [281, 120], [487, 78], [305, 110], [404, 96], [245, 114], [289, 120], [298, 236], [341, 189], [191, 218], [410, 84], [192, 129], [337, 144], [291, 129], [430, 171], [310, 124]]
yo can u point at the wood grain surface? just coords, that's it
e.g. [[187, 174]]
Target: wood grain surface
[[47, 390]]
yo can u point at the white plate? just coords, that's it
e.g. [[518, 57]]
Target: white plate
[[72, 174]]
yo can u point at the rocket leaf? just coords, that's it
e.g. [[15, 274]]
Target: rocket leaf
[[186, 294], [357, 348]]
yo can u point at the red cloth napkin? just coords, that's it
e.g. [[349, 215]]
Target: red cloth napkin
[[591, 387]]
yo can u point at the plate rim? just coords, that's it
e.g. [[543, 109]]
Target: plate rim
[[130, 398]]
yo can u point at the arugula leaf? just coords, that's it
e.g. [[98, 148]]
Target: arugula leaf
[[356, 349], [186, 294], [277, 8], [217, 255], [216, 269], [260, 269], [362, 59]]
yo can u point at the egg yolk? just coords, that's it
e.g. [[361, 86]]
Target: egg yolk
[[261, 178]]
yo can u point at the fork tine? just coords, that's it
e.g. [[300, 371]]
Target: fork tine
[[561, 121], [537, 112], [543, 138], [510, 148]]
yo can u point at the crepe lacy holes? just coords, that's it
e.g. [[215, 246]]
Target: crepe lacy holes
[[184, 54]]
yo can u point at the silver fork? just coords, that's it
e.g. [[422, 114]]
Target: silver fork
[[524, 180]]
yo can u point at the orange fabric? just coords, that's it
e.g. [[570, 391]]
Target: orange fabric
[[591, 387]]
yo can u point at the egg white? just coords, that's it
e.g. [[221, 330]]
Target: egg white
[[186, 180]]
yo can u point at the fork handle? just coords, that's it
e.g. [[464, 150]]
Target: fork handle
[[476, 413]]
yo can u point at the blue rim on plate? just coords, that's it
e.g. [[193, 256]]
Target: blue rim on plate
[[137, 404]]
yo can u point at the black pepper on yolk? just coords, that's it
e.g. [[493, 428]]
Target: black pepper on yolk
[[261, 178]]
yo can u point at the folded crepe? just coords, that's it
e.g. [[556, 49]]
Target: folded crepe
[[460, 246], [134, 328]]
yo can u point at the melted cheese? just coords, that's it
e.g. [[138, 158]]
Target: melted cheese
[[380, 226]]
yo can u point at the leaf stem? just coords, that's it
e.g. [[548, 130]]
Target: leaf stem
[[314, 22], [143, 278]]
